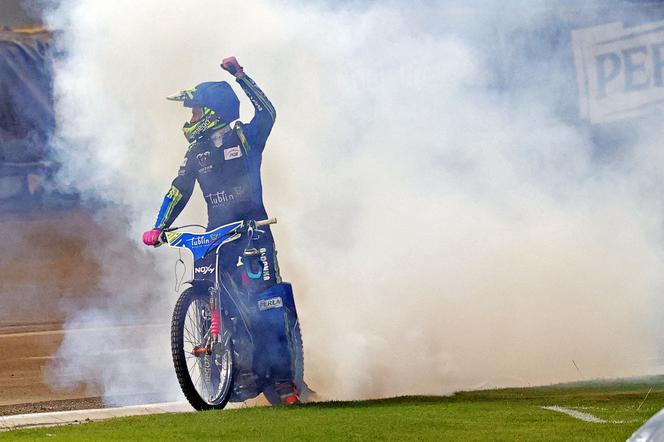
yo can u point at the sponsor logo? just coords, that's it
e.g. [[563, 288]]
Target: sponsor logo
[[266, 264], [203, 126], [199, 241], [266, 304], [220, 198], [224, 198], [232, 152], [204, 270], [203, 240], [620, 71], [204, 160]]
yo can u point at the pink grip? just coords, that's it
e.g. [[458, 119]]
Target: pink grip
[[151, 237]]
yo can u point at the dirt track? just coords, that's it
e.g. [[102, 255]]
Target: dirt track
[[45, 264], [50, 406], [25, 355]]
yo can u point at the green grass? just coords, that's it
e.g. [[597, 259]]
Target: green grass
[[506, 414]]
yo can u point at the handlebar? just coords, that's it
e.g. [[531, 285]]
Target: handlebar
[[266, 222]]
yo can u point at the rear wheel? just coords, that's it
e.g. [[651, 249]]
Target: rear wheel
[[203, 367]]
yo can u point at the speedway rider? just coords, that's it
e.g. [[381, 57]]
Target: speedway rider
[[226, 161]]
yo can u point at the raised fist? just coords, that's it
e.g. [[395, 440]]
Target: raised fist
[[231, 65]]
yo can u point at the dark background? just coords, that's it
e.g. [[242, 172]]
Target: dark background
[[18, 13]]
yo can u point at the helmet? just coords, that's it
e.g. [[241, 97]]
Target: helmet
[[219, 103]]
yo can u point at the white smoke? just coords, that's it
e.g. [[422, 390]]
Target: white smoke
[[437, 237]]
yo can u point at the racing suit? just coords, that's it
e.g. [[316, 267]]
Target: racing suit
[[229, 177]]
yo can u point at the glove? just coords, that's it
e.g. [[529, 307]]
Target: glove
[[152, 237], [231, 65]]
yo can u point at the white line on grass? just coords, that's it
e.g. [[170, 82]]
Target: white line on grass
[[586, 417]]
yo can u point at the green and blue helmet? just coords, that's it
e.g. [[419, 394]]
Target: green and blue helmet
[[219, 103]]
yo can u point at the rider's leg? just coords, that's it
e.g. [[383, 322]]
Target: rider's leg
[[259, 275]]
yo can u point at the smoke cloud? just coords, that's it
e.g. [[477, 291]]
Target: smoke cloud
[[444, 228]]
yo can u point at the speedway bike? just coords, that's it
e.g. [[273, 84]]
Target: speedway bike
[[218, 329]]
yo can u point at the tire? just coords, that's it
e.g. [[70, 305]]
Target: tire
[[212, 374], [298, 370]]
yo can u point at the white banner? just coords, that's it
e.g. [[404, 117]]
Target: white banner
[[619, 71]]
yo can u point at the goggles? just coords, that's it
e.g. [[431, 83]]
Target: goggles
[[208, 120]]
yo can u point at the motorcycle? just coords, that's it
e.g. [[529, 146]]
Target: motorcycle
[[222, 337]]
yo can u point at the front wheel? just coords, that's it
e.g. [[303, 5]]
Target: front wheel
[[203, 365]]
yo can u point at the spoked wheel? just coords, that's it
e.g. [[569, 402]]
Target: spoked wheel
[[203, 365]]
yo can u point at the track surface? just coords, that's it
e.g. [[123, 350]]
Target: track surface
[[24, 372], [44, 263], [27, 351], [48, 265]]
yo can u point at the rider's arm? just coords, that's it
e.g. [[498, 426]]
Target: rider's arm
[[178, 195], [260, 126]]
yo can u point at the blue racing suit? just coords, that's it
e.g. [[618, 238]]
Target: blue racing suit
[[229, 177]]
